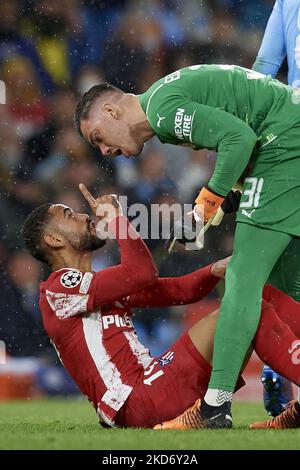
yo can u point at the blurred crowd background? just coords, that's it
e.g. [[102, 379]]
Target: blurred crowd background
[[51, 52]]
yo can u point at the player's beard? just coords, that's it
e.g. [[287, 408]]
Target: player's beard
[[90, 242], [86, 242]]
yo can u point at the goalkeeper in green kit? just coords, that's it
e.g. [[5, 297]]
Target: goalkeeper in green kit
[[253, 122]]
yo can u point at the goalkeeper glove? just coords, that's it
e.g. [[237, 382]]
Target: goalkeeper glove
[[231, 202], [184, 231], [210, 203]]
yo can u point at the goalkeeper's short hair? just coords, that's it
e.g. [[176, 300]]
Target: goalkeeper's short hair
[[88, 99]]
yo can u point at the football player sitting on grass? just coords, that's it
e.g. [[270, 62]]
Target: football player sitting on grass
[[87, 316]]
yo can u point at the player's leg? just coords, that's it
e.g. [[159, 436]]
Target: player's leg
[[172, 382], [286, 308], [202, 337], [272, 343], [277, 344], [277, 390], [286, 274], [256, 250], [281, 350]]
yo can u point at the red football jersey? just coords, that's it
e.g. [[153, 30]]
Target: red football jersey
[[100, 350], [87, 317]]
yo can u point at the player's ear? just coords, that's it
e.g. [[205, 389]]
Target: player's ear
[[112, 109], [54, 240]]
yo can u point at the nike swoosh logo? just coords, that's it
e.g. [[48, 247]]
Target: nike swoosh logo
[[216, 416]]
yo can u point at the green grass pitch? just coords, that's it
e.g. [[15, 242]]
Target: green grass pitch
[[72, 424]]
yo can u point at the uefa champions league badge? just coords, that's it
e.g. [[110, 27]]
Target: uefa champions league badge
[[71, 279]]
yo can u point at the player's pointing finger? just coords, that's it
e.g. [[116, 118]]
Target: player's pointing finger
[[87, 195]]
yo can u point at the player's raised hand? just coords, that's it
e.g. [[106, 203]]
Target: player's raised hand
[[105, 207], [218, 269], [88, 197], [207, 204]]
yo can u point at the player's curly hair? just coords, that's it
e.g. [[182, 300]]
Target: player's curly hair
[[88, 99], [33, 230]]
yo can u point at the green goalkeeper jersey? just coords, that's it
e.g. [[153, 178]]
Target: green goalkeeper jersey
[[238, 112]]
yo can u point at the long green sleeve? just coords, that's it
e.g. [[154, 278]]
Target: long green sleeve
[[200, 126], [233, 140], [219, 107]]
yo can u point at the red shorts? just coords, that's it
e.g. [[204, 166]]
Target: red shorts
[[171, 384]]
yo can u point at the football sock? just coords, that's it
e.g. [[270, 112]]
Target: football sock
[[216, 397]]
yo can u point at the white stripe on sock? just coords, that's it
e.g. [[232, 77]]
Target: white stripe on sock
[[217, 396]]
